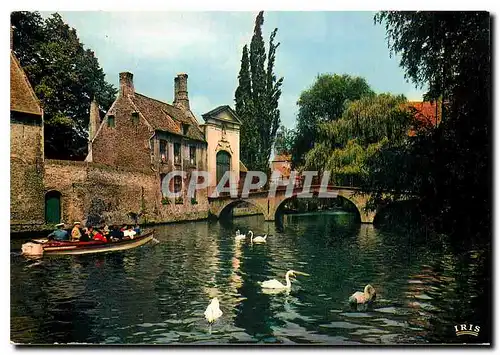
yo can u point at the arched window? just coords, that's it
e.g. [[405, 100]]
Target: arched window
[[52, 207], [223, 164]]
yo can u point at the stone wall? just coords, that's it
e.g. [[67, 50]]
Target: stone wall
[[26, 175], [116, 193]]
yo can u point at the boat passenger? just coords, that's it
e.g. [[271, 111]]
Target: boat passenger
[[59, 233], [116, 234], [98, 236], [129, 232], [75, 232], [137, 229], [85, 235]]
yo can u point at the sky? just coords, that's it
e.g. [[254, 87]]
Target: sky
[[156, 46]]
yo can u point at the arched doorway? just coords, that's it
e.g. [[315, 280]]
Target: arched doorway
[[223, 164], [52, 207]]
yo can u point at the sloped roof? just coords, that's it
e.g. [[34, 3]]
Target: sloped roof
[[168, 118], [22, 96], [213, 113]]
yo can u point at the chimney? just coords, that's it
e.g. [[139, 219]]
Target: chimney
[[94, 119], [126, 84], [181, 98]]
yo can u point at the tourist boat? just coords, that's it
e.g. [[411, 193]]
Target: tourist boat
[[40, 247]]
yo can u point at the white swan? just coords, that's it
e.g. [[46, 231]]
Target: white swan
[[368, 296], [239, 236], [257, 239], [276, 285], [213, 311]]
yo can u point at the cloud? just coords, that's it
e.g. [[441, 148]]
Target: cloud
[[165, 35], [207, 45], [200, 104]]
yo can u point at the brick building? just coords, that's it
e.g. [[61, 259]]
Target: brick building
[[130, 151], [283, 164], [26, 152], [143, 133]]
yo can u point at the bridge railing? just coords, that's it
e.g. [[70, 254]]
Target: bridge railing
[[342, 182]]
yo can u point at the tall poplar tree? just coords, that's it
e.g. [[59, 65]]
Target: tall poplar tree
[[257, 99]]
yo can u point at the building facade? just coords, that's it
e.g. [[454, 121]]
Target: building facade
[[283, 164], [130, 152], [26, 152], [222, 132]]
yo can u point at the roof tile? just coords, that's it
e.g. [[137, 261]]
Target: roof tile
[[165, 117]]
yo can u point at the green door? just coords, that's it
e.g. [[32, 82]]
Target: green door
[[52, 207], [223, 164]]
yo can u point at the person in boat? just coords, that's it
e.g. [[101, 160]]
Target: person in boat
[[59, 233], [116, 234], [85, 235], [97, 235], [129, 233], [137, 229], [75, 232], [90, 232], [104, 231]]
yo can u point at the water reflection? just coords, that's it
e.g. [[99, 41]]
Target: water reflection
[[157, 294]]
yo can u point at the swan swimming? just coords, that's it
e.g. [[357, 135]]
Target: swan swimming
[[276, 285], [257, 239], [239, 236], [367, 296], [213, 311]]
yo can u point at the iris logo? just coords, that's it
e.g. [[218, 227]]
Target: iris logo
[[467, 329]]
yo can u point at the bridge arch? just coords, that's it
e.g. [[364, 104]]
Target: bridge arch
[[354, 196], [269, 206], [223, 207], [355, 209]]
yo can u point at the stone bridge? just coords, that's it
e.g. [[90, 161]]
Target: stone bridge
[[270, 205]]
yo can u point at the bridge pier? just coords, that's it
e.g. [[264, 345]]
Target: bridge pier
[[367, 217], [269, 217]]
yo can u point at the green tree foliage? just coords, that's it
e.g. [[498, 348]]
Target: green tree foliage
[[257, 99], [367, 125], [449, 167], [284, 140], [324, 101], [65, 77]]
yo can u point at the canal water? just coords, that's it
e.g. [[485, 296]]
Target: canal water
[[157, 294]]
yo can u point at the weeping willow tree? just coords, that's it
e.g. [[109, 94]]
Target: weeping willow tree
[[367, 126]]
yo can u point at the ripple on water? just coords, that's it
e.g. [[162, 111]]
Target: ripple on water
[[356, 315], [157, 295], [146, 325], [391, 323], [369, 331], [422, 296], [344, 325]]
